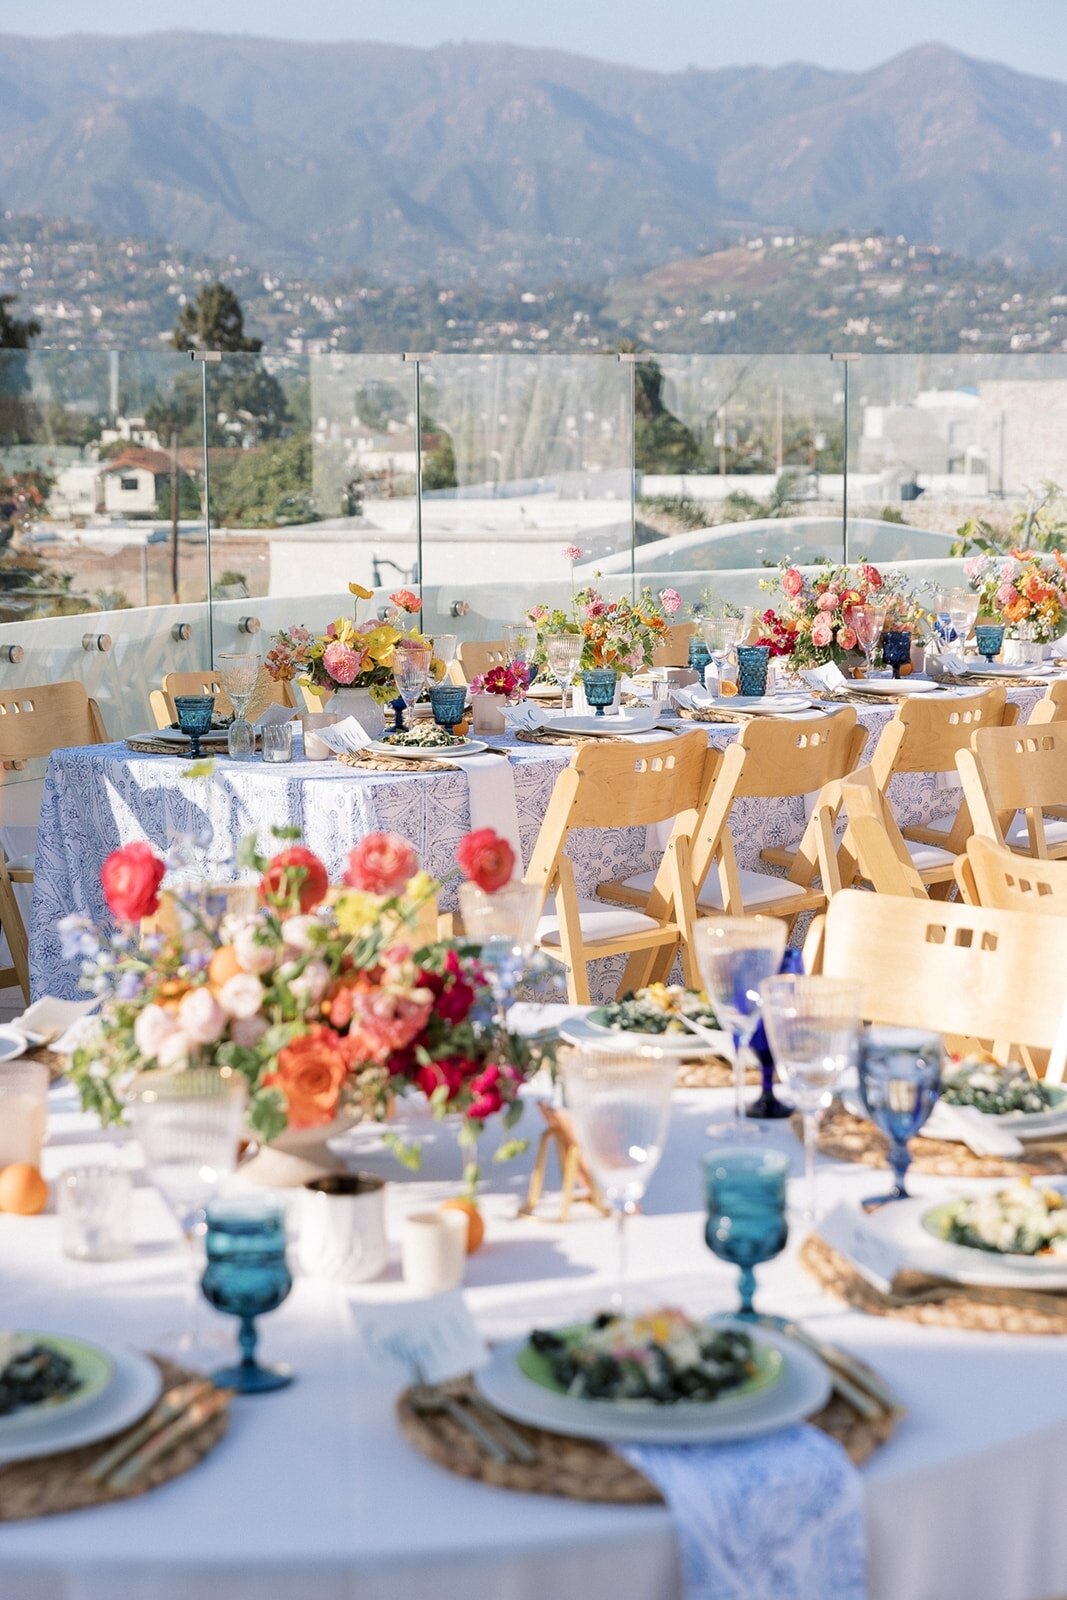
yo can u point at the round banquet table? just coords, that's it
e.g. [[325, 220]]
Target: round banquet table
[[98, 797], [316, 1495]]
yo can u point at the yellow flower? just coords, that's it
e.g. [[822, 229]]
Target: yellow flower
[[356, 912], [360, 593], [437, 669], [379, 642], [344, 632], [420, 887]]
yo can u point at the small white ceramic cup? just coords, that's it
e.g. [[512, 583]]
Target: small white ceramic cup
[[342, 1227], [314, 749], [433, 1250]]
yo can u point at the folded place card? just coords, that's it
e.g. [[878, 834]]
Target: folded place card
[[874, 1258], [344, 738], [524, 715], [435, 1336], [275, 713], [830, 677]]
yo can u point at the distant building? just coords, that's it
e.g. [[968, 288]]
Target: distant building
[[129, 484]]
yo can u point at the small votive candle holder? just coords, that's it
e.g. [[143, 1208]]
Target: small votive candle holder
[[95, 1204], [433, 1250], [752, 663], [276, 739]]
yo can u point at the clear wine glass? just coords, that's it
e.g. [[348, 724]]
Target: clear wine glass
[[411, 669], [812, 1025], [900, 1078], [962, 613], [238, 672], [620, 1103], [563, 651], [735, 956], [518, 637], [445, 646], [189, 1124], [504, 924], [867, 622]]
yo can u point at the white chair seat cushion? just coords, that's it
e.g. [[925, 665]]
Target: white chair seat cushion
[[757, 888], [20, 864], [1055, 832], [924, 856], [599, 922]]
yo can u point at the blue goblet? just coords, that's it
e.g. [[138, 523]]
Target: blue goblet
[[447, 704], [752, 663], [896, 648], [194, 718], [599, 685], [246, 1276], [700, 656], [899, 1075], [746, 1211], [989, 636]]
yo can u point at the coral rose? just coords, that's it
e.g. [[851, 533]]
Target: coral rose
[[792, 582], [847, 639], [486, 859], [310, 1074], [130, 879], [406, 599], [870, 575], [821, 634], [381, 863], [829, 600], [295, 874]]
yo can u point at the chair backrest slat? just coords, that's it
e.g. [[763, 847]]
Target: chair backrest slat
[[673, 648], [873, 839], [37, 720], [926, 731], [1005, 881], [1052, 707], [475, 657]]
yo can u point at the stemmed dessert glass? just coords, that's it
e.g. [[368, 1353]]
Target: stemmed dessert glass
[[867, 622], [247, 1275], [812, 1025], [563, 651], [238, 672], [411, 669], [620, 1102], [735, 956]]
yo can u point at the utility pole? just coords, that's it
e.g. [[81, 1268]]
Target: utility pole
[[174, 575]]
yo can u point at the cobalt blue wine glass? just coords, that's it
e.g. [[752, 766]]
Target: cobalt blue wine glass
[[896, 648], [899, 1076], [599, 685], [448, 704], [247, 1276], [194, 718], [746, 1192], [989, 636]]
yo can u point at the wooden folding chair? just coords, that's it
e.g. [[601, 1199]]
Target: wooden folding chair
[[673, 648], [992, 875], [874, 841], [984, 978], [204, 680], [1011, 778], [619, 785], [1052, 707], [475, 657], [924, 735], [34, 722]]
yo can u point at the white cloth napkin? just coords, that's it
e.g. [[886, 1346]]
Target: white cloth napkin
[[967, 1125], [491, 784], [763, 1518]]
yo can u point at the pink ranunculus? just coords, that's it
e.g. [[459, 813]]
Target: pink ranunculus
[[154, 1025], [573, 552], [792, 582], [253, 956], [341, 662], [595, 609], [176, 1049], [1006, 594], [248, 1031], [297, 933], [671, 601], [201, 1017], [846, 638], [407, 600], [311, 984], [241, 995], [821, 633], [829, 600], [381, 863]]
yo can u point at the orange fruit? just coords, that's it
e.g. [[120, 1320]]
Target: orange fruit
[[475, 1221], [22, 1189], [224, 965], [727, 687]]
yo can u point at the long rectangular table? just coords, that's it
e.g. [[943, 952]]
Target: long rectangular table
[[316, 1495]]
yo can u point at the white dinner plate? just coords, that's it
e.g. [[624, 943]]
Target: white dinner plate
[[468, 747], [133, 1391], [95, 1368], [759, 705], [12, 1042], [896, 686], [543, 691], [633, 720], [801, 1390], [581, 1031], [217, 737], [900, 1225]]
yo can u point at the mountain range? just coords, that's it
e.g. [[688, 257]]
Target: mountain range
[[518, 164]]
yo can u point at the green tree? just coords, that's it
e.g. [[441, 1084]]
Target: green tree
[[215, 320], [264, 487], [246, 403], [15, 334], [439, 464], [662, 442]]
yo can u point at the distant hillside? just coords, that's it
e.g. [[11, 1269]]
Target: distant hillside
[[513, 163]]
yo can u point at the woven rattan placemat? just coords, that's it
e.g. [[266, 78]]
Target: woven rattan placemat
[[371, 761], [53, 1484], [931, 1301], [847, 1138], [582, 1469]]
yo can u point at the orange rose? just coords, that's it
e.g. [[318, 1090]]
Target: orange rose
[[310, 1074]]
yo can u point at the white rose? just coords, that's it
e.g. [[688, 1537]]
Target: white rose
[[297, 931], [253, 956], [311, 984], [175, 1049], [241, 995], [247, 1031], [201, 1017], [152, 1027]]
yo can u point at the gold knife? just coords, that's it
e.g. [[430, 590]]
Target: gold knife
[[193, 1417], [170, 1406]]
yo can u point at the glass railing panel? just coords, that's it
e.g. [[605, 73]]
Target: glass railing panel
[[524, 458]]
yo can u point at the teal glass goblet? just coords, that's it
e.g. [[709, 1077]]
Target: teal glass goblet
[[194, 718], [989, 636], [246, 1275], [599, 685], [752, 663], [447, 704], [746, 1223]]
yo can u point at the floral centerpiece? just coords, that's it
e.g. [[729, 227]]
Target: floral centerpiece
[[350, 655], [320, 997], [810, 622], [1025, 590], [621, 634]]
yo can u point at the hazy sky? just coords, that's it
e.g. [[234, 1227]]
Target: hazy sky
[[1029, 34]]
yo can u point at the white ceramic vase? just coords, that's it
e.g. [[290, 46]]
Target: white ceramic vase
[[361, 704]]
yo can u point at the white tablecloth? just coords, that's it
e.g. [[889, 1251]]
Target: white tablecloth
[[98, 797], [315, 1495]]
